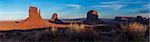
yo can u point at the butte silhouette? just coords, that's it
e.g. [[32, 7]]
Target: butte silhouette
[[92, 18]]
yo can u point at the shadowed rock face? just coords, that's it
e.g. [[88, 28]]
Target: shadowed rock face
[[55, 19], [92, 15], [141, 19], [92, 18]]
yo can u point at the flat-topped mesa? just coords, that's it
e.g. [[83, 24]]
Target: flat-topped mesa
[[55, 19], [92, 18]]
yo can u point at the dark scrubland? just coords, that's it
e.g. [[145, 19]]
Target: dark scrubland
[[113, 33]]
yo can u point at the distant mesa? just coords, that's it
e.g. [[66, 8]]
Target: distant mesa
[[55, 19], [92, 18], [141, 19], [138, 19], [123, 18]]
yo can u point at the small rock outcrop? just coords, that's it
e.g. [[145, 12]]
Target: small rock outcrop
[[55, 19]]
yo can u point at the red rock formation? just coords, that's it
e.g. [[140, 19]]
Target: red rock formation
[[34, 13], [34, 19]]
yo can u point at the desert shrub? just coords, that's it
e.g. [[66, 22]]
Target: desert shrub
[[133, 27], [136, 27], [76, 27], [134, 30]]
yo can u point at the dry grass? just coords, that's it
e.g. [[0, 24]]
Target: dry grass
[[76, 27], [135, 31], [73, 27], [136, 27], [133, 27]]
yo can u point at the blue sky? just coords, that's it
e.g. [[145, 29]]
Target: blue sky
[[18, 9]]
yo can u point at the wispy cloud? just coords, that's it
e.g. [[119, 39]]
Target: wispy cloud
[[96, 6], [123, 2], [110, 6], [116, 5], [74, 5], [147, 6]]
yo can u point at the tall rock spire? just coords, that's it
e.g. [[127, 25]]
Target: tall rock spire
[[55, 19]]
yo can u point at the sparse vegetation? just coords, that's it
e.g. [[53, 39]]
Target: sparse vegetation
[[135, 31], [78, 32], [76, 27]]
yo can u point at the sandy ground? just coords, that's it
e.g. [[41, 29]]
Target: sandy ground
[[9, 25]]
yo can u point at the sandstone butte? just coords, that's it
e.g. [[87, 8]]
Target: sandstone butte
[[92, 18], [34, 20]]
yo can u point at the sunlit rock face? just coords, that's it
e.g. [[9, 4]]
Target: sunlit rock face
[[92, 18], [34, 20], [34, 13], [55, 19]]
